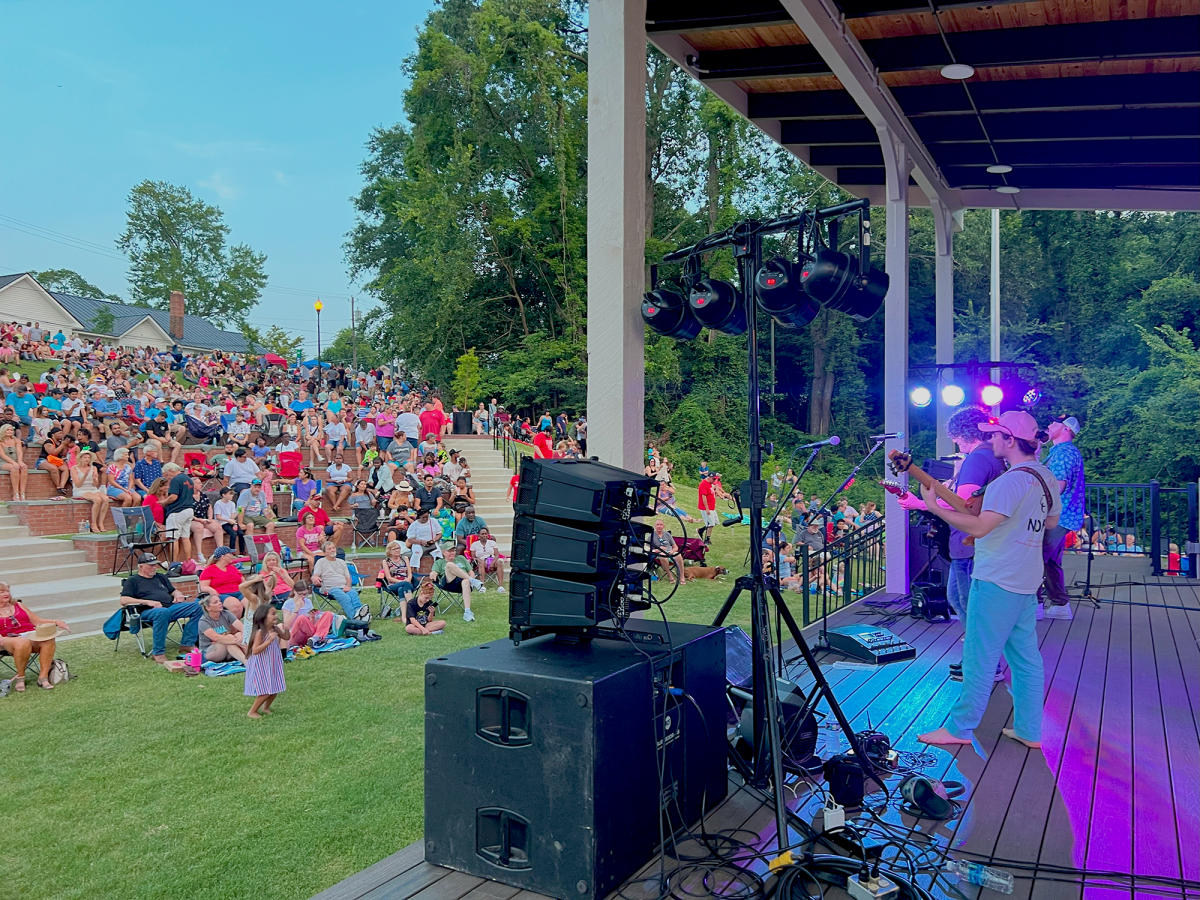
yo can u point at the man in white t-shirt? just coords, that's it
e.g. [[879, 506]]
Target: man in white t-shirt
[[1017, 509], [422, 538], [485, 555], [338, 486]]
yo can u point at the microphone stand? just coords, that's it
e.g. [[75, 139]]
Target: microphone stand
[[1091, 555]]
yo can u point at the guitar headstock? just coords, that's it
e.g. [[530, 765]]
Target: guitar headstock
[[899, 461], [894, 487]]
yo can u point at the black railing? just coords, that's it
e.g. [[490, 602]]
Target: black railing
[[512, 449], [1155, 516], [848, 569]]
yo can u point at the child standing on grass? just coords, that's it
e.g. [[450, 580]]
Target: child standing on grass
[[264, 666]]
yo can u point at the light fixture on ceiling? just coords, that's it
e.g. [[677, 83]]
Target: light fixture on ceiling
[[999, 169], [957, 71], [1007, 189]]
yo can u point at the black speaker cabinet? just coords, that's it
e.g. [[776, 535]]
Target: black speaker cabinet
[[542, 760]]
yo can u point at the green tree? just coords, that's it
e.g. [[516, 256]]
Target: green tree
[[103, 321], [274, 340], [341, 349], [176, 241], [68, 281], [465, 387]]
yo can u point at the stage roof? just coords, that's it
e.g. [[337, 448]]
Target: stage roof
[[1095, 105]]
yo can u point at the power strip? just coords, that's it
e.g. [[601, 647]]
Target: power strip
[[878, 888]]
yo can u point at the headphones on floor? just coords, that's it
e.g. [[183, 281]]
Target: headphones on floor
[[927, 798]]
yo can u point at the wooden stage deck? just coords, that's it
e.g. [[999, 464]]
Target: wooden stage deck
[[1116, 787]]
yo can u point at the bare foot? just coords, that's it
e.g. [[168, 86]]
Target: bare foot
[[1012, 735], [941, 737], [254, 715]]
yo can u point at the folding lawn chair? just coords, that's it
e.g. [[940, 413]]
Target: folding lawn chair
[[366, 527], [290, 464], [131, 621], [136, 534], [6, 660], [272, 430]]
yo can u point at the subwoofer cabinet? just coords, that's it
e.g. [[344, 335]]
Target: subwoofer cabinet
[[542, 760]]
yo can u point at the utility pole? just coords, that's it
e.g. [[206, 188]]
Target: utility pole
[[353, 335]]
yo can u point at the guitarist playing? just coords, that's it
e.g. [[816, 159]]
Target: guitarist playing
[[980, 467], [1017, 508]]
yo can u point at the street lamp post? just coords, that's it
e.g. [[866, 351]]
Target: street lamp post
[[318, 306]]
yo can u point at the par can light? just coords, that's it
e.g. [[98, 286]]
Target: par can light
[[953, 395], [668, 314], [992, 395], [719, 306], [777, 286]]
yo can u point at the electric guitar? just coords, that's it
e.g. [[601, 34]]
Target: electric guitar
[[900, 461]]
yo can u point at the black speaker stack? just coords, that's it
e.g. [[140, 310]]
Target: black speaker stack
[[557, 762], [580, 550]]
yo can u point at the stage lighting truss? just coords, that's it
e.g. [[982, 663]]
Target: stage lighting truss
[[791, 292]]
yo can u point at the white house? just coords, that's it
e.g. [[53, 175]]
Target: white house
[[22, 299]]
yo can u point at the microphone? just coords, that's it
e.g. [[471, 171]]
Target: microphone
[[893, 435], [731, 521], [832, 441]]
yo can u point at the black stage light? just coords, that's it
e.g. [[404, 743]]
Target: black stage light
[[780, 295], [719, 306], [832, 278], [668, 314]]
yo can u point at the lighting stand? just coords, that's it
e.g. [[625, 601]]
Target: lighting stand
[[768, 756]]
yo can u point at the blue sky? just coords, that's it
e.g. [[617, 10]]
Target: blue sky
[[261, 108]]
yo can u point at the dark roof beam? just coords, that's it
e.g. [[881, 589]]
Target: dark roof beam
[[683, 16], [1165, 38], [1140, 123]]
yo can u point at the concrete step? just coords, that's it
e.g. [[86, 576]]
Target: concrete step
[[35, 574], [47, 552], [7, 519], [83, 602]]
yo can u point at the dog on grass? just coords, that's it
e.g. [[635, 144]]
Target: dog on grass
[[708, 572]]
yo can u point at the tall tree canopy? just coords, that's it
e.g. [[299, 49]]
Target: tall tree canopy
[[68, 281], [471, 232], [176, 241]]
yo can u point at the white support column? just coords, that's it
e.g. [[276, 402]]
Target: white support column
[[945, 223], [895, 344], [616, 230]]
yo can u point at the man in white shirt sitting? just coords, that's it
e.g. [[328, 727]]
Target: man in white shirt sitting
[[485, 556], [338, 486], [422, 538], [239, 429]]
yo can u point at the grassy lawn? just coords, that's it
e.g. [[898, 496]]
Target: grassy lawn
[[151, 784]]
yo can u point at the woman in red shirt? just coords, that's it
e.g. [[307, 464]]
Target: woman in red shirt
[[17, 629], [223, 578]]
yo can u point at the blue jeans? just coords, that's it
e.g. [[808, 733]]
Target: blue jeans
[[1000, 622], [161, 617], [399, 588], [347, 600], [958, 586], [382, 442]]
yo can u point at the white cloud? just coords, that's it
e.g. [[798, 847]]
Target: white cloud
[[280, 178], [218, 182]]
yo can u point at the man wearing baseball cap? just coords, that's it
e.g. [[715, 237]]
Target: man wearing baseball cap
[[1066, 464], [1017, 509]]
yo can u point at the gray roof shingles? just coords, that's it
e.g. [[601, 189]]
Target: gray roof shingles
[[197, 332]]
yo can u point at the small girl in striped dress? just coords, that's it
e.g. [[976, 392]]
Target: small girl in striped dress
[[264, 665]]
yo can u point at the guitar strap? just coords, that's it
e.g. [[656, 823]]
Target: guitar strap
[[1041, 481]]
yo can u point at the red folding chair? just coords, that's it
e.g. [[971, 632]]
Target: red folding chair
[[290, 463]]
